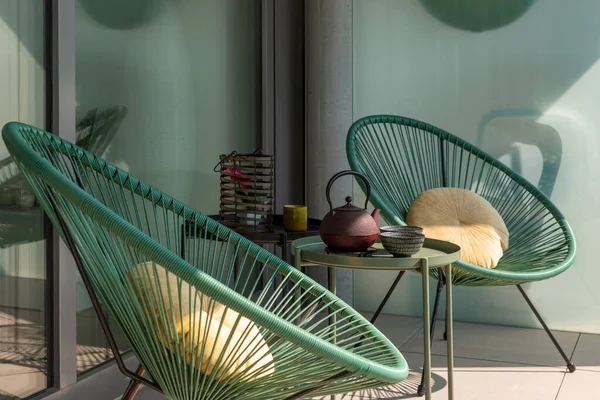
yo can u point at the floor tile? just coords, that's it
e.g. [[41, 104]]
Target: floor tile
[[439, 363], [21, 316], [149, 394], [499, 343], [580, 385], [491, 363], [473, 380], [587, 353], [8, 370], [22, 346], [90, 356], [92, 346], [17, 381], [398, 329]]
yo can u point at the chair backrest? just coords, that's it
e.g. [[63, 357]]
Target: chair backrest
[[403, 157], [94, 133], [156, 283]]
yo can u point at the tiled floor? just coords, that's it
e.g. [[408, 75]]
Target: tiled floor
[[22, 352], [492, 362]]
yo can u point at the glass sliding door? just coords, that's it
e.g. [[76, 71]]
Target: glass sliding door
[[23, 295], [165, 86]]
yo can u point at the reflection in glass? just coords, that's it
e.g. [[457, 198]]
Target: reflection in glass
[[23, 322], [174, 86], [94, 131], [527, 142]]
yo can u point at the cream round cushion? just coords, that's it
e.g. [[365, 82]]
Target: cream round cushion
[[464, 218], [199, 321]]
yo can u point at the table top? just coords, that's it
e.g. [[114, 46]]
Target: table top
[[438, 253], [262, 236]]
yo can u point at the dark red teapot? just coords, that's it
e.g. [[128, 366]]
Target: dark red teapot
[[349, 228]]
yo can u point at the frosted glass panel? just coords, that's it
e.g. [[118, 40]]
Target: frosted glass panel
[[23, 329], [174, 85], [525, 90]]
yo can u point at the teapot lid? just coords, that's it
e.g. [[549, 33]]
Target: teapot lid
[[348, 206]]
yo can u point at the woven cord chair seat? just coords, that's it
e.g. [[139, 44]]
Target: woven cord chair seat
[[271, 318], [403, 157]]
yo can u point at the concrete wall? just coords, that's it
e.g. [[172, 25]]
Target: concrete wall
[[527, 93], [328, 113]]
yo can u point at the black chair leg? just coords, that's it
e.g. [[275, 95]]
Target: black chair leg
[[387, 296], [440, 286], [570, 365], [446, 325]]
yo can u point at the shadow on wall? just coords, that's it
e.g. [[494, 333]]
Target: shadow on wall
[[477, 15], [527, 65], [519, 138], [132, 13]]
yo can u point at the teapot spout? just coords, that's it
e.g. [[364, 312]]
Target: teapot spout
[[375, 215]]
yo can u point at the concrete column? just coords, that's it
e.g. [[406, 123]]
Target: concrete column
[[64, 284], [328, 112]]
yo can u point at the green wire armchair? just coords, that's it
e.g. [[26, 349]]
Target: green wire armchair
[[403, 157], [201, 321]]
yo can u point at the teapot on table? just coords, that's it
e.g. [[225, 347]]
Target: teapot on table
[[349, 228]]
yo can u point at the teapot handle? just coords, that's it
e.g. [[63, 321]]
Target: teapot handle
[[339, 175]]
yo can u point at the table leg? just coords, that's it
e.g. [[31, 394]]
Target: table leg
[[449, 332], [283, 243], [183, 235], [331, 284], [387, 296], [298, 265], [426, 328]]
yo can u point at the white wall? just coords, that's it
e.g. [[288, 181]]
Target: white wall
[[541, 74]]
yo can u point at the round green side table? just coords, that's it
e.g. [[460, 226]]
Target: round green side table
[[311, 251]]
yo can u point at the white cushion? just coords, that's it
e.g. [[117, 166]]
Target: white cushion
[[464, 218], [201, 320]]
